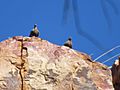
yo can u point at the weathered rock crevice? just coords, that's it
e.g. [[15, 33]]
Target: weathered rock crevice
[[23, 56]]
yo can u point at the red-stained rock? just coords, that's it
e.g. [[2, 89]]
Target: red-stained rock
[[35, 64]]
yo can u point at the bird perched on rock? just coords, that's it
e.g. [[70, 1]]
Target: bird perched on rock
[[34, 32], [68, 43]]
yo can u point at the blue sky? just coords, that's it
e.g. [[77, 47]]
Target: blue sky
[[17, 17]]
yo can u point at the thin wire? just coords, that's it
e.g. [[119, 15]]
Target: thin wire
[[111, 58], [66, 10], [107, 52], [110, 67]]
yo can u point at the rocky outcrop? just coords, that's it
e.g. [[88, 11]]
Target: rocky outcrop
[[36, 64]]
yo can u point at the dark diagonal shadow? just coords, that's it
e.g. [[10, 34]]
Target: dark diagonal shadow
[[104, 6], [106, 14], [66, 9], [79, 29], [113, 5]]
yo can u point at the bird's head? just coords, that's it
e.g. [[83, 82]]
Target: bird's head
[[70, 38], [35, 25]]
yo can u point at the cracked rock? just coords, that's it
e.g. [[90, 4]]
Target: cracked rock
[[30, 63]]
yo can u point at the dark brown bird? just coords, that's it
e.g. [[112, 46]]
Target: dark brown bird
[[34, 32], [68, 43]]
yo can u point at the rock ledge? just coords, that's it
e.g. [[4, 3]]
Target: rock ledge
[[36, 64]]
